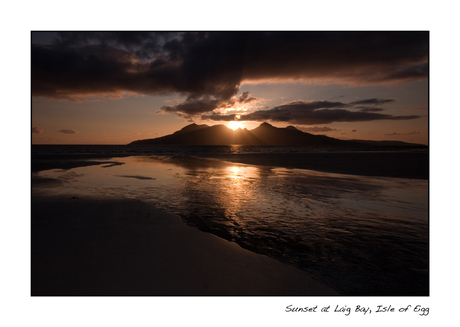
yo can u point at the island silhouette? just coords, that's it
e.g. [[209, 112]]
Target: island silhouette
[[264, 134]]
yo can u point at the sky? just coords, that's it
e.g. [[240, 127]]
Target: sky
[[117, 87]]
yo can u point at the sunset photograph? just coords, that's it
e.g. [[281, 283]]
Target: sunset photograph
[[229, 163]]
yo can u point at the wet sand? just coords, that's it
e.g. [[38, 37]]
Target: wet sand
[[70, 160], [117, 246]]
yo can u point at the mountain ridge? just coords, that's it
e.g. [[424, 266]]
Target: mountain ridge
[[264, 134]]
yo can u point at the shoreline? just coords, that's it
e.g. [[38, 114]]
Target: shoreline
[[101, 246], [411, 165]]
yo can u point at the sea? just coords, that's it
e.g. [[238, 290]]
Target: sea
[[364, 235]]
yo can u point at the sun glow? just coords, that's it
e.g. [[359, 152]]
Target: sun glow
[[235, 124]]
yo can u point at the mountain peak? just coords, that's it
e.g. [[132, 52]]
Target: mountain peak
[[265, 124], [191, 127], [292, 128]]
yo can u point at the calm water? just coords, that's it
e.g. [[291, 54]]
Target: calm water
[[366, 236], [203, 149]]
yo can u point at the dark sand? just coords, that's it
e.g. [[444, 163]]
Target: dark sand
[[113, 246]]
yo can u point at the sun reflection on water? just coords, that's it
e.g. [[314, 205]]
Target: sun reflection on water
[[302, 217], [235, 172], [236, 191]]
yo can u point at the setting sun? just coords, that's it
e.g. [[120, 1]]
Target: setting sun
[[235, 124]]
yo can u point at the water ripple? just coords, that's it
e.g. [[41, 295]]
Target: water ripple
[[366, 236]]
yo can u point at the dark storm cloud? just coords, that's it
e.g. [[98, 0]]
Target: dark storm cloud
[[85, 64], [142, 44], [318, 112], [72, 74], [351, 58], [197, 65]]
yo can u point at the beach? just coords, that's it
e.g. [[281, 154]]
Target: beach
[[229, 223], [115, 246]]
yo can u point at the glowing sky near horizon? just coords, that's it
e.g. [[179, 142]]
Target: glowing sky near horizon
[[114, 88]]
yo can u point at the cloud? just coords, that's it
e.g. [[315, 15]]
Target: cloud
[[219, 117], [397, 134], [68, 131], [142, 44], [369, 109], [194, 106], [318, 112], [246, 98], [279, 113], [200, 65], [418, 109], [37, 130], [303, 112], [353, 131], [373, 101]]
